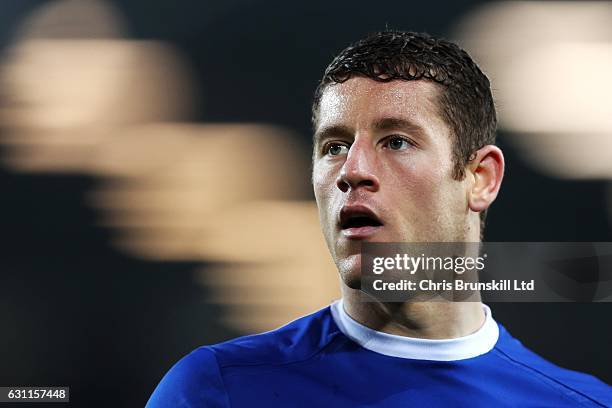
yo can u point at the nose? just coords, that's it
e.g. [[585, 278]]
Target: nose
[[359, 169]]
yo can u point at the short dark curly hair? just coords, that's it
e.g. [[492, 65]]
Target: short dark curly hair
[[465, 101]]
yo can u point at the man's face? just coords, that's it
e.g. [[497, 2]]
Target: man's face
[[382, 169]]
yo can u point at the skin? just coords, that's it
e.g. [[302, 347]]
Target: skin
[[384, 145]]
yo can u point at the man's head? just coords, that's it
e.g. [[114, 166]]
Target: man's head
[[403, 150]]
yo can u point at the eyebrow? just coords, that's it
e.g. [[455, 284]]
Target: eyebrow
[[333, 131], [400, 124], [388, 123]]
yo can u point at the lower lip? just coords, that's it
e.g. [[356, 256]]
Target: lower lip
[[360, 232]]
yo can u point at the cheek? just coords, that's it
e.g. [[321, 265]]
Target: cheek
[[319, 185], [424, 194], [417, 180], [323, 185]]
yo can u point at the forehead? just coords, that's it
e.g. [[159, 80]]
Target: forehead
[[363, 100]]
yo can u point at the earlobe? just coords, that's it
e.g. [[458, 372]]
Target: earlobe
[[487, 170]]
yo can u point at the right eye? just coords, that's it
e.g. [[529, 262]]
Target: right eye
[[335, 149]]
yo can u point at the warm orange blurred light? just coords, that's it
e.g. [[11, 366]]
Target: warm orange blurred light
[[549, 65], [170, 190]]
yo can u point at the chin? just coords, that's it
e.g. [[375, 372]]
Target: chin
[[350, 271]]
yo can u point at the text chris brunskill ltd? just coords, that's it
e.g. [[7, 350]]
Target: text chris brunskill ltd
[[457, 285]]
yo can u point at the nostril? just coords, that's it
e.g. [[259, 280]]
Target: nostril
[[343, 185], [367, 183]]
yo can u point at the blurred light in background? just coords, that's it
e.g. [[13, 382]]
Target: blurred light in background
[[550, 65], [74, 19], [79, 99], [173, 183], [64, 98], [69, 85], [283, 267]]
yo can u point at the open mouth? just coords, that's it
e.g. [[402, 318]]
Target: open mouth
[[359, 221]]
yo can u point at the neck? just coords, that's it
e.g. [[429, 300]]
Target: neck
[[426, 320]]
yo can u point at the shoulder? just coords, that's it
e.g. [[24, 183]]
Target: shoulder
[[197, 379], [295, 341], [193, 381], [583, 388]]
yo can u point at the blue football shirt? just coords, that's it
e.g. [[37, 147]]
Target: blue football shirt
[[327, 359]]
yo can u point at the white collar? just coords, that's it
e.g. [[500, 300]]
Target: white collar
[[473, 345]]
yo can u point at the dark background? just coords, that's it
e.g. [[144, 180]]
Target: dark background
[[76, 312]]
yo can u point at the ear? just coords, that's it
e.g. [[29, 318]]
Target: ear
[[487, 172]]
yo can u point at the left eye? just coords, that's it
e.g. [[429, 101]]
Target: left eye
[[398, 143]]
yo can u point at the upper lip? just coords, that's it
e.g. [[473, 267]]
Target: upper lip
[[349, 212]]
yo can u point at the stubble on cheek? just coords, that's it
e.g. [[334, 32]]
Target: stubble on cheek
[[423, 206], [345, 254], [441, 217], [325, 203]]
